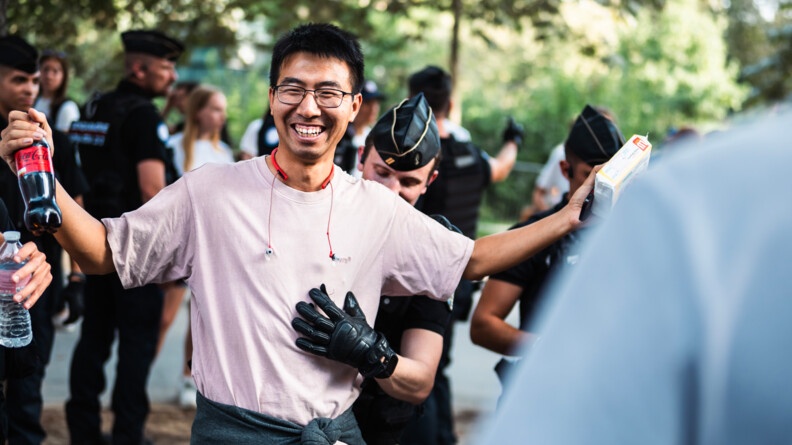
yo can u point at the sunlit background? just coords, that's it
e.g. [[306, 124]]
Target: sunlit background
[[657, 64]]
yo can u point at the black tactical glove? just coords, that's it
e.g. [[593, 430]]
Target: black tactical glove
[[344, 336], [513, 132], [74, 296]]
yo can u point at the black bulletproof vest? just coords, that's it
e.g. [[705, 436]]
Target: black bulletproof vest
[[112, 175], [459, 188], [264, 147], [346, 153]]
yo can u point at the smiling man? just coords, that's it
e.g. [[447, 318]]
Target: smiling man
[[251, 239], [122, 147], [401, 153]]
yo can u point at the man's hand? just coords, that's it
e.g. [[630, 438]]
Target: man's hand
[[575, 205], [345, 336], [23, 128], [514, 132]]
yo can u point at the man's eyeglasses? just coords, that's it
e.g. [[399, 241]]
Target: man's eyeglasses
[[325, 97]]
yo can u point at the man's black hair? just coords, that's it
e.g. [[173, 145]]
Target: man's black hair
[[435, 84], [324, 40]]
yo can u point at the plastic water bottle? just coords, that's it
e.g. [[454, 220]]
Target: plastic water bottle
[[15, 330]]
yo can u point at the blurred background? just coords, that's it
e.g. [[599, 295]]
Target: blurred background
[[659, 65]]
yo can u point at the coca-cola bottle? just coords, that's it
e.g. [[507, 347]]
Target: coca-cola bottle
[[37, 183]]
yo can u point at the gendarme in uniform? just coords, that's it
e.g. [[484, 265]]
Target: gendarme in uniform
[[120, 130], [594, 139], [23, 390], [382, 418]]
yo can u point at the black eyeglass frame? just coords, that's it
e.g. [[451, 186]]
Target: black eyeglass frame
[[305, 91]]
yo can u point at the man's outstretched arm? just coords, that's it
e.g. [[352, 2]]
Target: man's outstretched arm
[[81, 235], [500, 251]]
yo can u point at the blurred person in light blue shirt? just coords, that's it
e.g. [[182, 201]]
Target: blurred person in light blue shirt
[[677, 331]]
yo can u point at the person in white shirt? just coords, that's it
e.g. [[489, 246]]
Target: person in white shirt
[[54, 82], [260, 137], [253, 238], [198, 144], [551, 184]]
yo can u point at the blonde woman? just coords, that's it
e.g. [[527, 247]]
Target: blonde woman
[[198, 144]]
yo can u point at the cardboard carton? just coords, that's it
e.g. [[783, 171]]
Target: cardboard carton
[[618, 172]]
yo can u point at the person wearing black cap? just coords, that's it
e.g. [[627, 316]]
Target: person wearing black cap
[[592, 140], [122, 147], [253, 238], [401, 153], [465, 172], [19, 86]]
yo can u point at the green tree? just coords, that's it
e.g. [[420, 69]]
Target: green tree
[[769, 72], [661, 69]]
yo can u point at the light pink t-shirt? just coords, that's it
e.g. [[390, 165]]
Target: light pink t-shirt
[[211, 228]]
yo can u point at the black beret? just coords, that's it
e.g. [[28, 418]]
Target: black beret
[[16, 53], [406, 136], [153, 43], [593, 137]]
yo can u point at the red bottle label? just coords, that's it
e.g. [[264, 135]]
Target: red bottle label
[[33, 159]]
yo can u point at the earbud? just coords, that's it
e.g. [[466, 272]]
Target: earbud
[[570, 171]]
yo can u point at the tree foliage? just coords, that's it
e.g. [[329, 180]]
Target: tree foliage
[[655, 63], [660, 70], [770, 65]]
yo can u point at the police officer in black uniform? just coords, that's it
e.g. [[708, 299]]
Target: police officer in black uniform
[[383, 417], [465, 171], [122, 147], [20, 83], [401, 152], [592, 140]]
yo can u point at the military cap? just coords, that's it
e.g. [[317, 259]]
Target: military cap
[[16, 53], [593, 137], [406, 136], [153, 43]]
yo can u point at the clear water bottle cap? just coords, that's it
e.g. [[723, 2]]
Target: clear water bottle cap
[[11, 236]]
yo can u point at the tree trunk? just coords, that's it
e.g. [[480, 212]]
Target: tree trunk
[[456, 111]]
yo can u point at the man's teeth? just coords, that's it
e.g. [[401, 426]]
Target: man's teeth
[[312, 131]]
